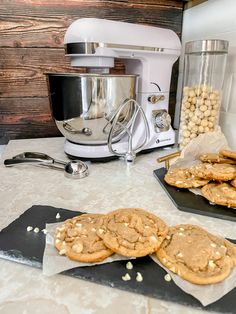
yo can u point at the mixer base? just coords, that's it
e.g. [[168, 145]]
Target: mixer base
[[98, 153], [84, 152]]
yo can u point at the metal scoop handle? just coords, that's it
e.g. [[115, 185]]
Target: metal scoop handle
[[39, 156], [30, 161]]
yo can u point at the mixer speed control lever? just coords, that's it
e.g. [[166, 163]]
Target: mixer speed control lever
[[161, 120], [155, 98]]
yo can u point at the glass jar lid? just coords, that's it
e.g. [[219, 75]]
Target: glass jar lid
[[207, 45]]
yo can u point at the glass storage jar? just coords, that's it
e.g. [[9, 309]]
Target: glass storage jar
[[204, 68]]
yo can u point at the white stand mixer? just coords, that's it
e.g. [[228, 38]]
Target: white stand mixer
[[148, 52]]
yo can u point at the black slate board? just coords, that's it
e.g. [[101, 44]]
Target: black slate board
[[189, 202], [27, 247]]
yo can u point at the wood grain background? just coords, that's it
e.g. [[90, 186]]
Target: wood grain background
[[31, 44]]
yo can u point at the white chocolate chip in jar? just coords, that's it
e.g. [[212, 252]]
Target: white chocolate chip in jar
[[199, 112]]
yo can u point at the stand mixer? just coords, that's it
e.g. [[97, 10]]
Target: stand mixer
[[104, 115]]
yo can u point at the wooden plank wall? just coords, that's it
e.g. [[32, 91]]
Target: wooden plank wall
[[31, 44]]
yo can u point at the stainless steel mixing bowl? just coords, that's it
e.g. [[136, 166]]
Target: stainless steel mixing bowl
[[84, 105]]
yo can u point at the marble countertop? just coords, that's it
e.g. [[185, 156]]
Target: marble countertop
[[109, 186]]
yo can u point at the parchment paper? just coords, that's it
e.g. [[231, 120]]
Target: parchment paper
[[206, 294], [53, 263], [210, 142]]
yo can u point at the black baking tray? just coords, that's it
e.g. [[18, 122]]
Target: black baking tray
[[187, 201], [24, 247]]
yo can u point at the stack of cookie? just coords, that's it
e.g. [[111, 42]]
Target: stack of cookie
[[130, 232], [187, 250], [216, 176]]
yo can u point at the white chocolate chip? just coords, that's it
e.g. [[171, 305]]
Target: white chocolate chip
[[139, 277], [29, 228], [211, 264], [126, 277], [71, 232], [168, 237], [62, 251], [199, 112], [207, 113], [186, 133], [204, 122], [126, 224], [93, 229], [191, 93], [179, 254], [77, 247], [61, 228], [213, 113], [167, 277], [58, 216], [181, 229], [213, 244], [129, 265], [78, 225], [193, 135], [153, 238], [57, 241], [100, 230], [203, 108], [179, 182], [212, 96], [36, 229]]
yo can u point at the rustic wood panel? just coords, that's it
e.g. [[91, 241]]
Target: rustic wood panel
[[26, 118], [43, 24], [31, 44], [24, 70], [31, 130], [25, 110]]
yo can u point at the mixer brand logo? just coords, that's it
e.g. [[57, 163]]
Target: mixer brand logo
[[163, 140]]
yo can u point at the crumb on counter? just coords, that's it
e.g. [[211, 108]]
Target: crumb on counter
[[29, 228]]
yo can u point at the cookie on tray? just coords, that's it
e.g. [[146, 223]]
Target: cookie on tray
[[78, 240], [228, 153], [183, 178], [220, 193], [196, 255], [219, 172], [216, 158], [132, 232]]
